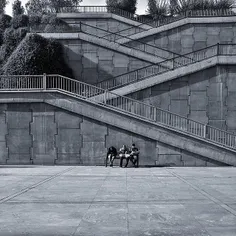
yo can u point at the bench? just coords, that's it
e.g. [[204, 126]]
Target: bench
[[118, 157]]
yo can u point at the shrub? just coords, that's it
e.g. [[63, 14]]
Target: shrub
[[34, 20], [56, 25], [223, 4], [19, 21], [17, 8], [47, 18], [126, 5], [11, 38], [37, 55], [5, 22], [185, 5], [158, 9], [52, 24]]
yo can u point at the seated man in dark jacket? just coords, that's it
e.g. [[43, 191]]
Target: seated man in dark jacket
[[111, 154], [124, 154], [134, 154]]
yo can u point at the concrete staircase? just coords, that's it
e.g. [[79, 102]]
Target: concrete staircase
[[107, 39], [190, 17], [125, 114], [170, 69]]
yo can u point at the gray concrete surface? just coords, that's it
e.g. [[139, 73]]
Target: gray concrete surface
[[86, 201]]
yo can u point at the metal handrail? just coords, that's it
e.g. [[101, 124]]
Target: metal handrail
[[104, 9], [165, 66], [128, 105], [118, 36], [154, 23], [191, 14], [82, 27], [132, 27]]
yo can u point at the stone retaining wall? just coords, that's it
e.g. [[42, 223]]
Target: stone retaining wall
[[192, 37], [37, 133], [91, 63], [207, 96]]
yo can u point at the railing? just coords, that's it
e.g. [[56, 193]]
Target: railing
[[104, 9], [132, 30], [145, 20], [168, 65], [21, 82], [120, 103], [113, 37], [128, 31], [107, 35]]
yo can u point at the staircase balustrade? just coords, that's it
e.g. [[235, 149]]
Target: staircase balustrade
[[135, 108]]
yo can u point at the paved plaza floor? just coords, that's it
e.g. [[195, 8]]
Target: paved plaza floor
[[86, 201]]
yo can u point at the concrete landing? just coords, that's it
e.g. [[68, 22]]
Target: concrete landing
[[86, 201]]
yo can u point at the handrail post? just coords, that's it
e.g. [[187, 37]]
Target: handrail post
[[44, 81], [204, 131], [155, 114], [218, 49], [105, 97]]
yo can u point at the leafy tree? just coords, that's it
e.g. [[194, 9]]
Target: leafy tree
[[185, 5], [17, 8], [35, 55], [173, 6], [126, 5], [3, 4], [49, 6], [158, 9]]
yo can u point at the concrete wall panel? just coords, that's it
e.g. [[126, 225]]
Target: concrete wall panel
[[59, 137], [207, 96]]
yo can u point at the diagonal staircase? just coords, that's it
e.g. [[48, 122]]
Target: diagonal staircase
[[164, 21], [125, 113], [169, 69], [103, 36]]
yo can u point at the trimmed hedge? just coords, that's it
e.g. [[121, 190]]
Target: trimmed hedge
[[5, 22], [36, 55], [11, 38]]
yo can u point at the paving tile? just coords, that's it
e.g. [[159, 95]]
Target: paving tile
[[94, 201]]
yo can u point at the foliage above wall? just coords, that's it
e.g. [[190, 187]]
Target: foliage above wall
[[126, 5], [49, 6], [159, 8], [13, 59], [17, 8]]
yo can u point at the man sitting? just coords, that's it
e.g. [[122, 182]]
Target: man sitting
[[111, 154], [124, 154], [134, 154]]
